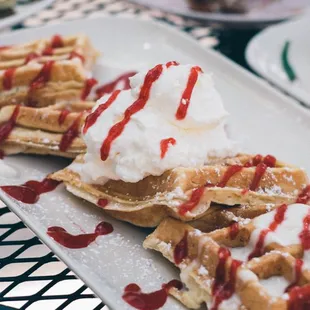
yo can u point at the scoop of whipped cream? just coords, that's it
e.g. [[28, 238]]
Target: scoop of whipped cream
[[171, 117]]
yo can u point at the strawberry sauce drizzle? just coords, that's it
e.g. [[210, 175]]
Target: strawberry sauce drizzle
[[277, 220], [304, 236], [102, 202], [231, 170], [89, 84], [181, 249], [57, 41], [62, 116], [268, 160], [261, 163], [64, 238], [193, 201], [186, 96], [304, 196], [48, 51], [298, 268], [117, 129], [134, 296], [75, 54], [31, 56], [70, 134], [30, 191], [111, 86], [234, 230], [4, 47], [6, 128], [92, 117], [164, 145], [259, 173], [299, 298], [43, 76], [7, 81], [223, 289]]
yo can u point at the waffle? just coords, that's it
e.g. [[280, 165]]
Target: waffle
[[238, 269], [43, 130], [46, 71], [192, 194]]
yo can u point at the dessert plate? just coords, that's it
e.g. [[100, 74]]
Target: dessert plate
[[265, 55], [261, 16], [22, 11], [262, 119]]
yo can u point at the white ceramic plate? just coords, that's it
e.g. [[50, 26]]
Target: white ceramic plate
[[259, 15], [263, 119], [264, 55], [22, 11]]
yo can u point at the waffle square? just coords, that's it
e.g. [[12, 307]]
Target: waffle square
[[259, 264], [54, 130]]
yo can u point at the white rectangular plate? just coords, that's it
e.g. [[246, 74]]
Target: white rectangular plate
[[264, 55], [264, 120]]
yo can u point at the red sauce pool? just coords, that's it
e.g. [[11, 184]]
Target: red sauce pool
[[134, 296], [70, 241], [30, 191]]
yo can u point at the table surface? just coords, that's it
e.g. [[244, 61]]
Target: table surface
[[31, 276]]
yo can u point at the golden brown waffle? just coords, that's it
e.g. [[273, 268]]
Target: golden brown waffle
[[42, 130], [187, 194], [219, 216], [225, 269], [46, 71]]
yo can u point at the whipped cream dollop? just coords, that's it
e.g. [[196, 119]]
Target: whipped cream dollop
[[171, 117]]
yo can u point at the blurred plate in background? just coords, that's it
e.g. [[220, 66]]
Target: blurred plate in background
[[266, 12], [265, 55], [22, 11]]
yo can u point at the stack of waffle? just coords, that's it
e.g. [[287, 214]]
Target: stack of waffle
[[44, 85]]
